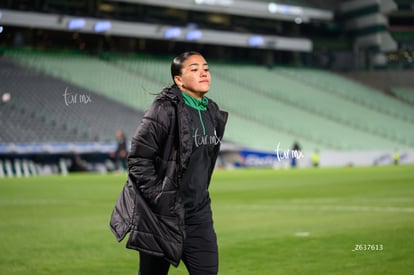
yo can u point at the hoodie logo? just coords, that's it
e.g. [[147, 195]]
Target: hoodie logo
[[200, 140]]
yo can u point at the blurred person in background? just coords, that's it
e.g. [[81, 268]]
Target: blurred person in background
[[172, 158], [396, 157], [295, 148], [315, 158], [120, 154]]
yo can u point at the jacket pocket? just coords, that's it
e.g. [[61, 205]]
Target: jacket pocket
[[164, 200]]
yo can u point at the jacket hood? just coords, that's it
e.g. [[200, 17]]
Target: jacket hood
[[173, 93]]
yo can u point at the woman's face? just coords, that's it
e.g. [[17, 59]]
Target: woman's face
[[195, 77]]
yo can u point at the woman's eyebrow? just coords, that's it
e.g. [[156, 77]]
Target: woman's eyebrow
[[196, 64]]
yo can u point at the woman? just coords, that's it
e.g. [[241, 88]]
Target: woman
[[173, 154]]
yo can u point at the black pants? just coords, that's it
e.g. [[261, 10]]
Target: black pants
[[200, 254]]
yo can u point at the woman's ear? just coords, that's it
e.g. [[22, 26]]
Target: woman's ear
[[177, 80]]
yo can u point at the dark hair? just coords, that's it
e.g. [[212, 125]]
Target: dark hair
[[177, 63]]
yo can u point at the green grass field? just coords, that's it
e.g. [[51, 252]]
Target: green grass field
[[305, 221]]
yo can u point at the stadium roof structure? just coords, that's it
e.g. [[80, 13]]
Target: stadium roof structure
[[152, 31], [260, 9]]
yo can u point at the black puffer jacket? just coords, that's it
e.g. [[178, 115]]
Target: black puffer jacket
[[150, 207]]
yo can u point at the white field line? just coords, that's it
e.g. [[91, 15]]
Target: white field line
[[37, 202], [342, 208], [338, 200]]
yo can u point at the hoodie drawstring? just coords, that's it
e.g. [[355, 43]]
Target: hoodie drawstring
[[199, 105]]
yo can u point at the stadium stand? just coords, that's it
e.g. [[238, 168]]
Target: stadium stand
[[246, 115], [379, 121], [261, 134], [92, 73], [317, 108], [406, 94], [229, 78], [38, 111], [382, 115], [351, 90]]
